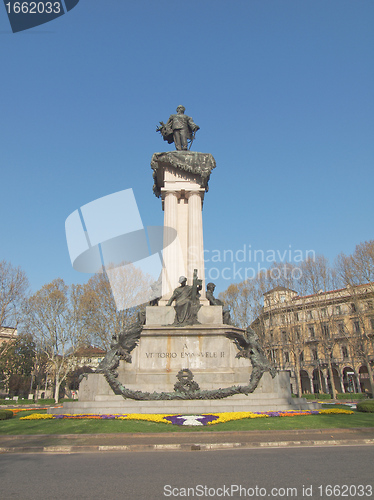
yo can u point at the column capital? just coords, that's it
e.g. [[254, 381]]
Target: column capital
[[165, 192], [199, 192]]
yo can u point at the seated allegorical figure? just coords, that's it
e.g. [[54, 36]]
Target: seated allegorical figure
[[216, 302], [187, 302]]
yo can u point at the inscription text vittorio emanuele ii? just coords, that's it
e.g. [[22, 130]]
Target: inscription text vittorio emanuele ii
[[186, 354]]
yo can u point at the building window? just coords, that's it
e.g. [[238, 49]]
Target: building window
[[344, 351], [341, 329], [284, 336], [356, 326], [311, 331], [297, 333], [324, 312], [338, 310], [369, 304], [314, 354], [296, 316], [310, 314], [282, 298], [325, 329], [302, 357], [353, 307], [286, 357]]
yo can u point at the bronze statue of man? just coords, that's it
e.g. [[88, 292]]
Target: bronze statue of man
[[179, 129]]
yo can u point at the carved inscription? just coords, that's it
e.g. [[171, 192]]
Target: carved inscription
[[185, 355]]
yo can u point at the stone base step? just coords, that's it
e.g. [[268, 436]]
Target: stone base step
[[113, 405]]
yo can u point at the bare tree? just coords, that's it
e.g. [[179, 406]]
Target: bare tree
[[53, 316], [317, 278], [101, 298], [245, 299], [358, 268], [13, 287], [357, 273]]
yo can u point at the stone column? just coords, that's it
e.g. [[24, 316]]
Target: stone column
[[325, 378], [358, 385], [341, 381], [171, 253], [310, 377], [195, 249]]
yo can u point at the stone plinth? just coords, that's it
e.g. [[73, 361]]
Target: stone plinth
[[164, 351], [165, 315]]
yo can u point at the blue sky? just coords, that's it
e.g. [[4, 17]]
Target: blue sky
[[281, 89]]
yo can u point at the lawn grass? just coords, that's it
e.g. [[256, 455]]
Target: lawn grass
[[15, 426], [23, 402]]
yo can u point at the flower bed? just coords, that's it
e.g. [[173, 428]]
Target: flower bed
[[204, 419]]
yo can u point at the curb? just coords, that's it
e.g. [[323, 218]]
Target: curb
[[61, 449]]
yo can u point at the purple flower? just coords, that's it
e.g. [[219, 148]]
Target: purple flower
[[191, 419]]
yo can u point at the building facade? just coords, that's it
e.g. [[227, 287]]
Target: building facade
[[324, 340], [88, 356], [7, 334]]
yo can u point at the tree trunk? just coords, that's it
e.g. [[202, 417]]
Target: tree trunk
[[332, 381], [297, 376], [36, 396], [32, 380], [57, 388]]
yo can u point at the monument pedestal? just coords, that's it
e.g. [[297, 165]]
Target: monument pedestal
[[203, 349]]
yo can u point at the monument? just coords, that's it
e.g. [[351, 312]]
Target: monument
[[182, 354]]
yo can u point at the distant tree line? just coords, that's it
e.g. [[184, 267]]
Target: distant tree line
[[56, 321]]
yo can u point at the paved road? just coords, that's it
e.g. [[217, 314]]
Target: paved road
[[139, 475]]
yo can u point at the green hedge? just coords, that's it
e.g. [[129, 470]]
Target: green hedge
[[352, 395], [5, 414], [346, 396], [314, 396], [366, 406]]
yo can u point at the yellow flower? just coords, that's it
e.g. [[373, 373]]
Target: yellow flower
[[37, 416], [335, 411], [150, 417], [234, 415]]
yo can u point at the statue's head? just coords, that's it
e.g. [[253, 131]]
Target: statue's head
[[181, 109], [182, 280], [211, 287]]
